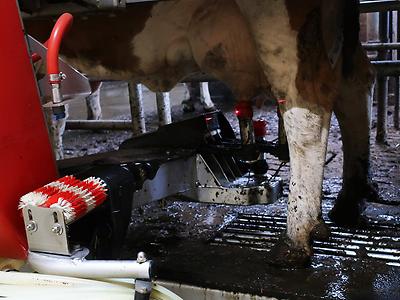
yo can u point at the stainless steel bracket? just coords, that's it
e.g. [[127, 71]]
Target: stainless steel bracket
[[46, 230]]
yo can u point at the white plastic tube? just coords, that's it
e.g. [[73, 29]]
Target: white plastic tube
[[19, 285], [81, 268]]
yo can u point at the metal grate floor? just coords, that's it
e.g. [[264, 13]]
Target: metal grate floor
[[260, 232]]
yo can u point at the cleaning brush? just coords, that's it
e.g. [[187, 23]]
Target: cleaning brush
[[75, 197]]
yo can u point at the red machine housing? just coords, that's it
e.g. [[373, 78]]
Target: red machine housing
[[26, 157]]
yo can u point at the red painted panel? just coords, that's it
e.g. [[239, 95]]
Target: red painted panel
[[26, 158]]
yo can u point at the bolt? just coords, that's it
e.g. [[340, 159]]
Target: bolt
[[31, 226], [141, 257], [57, 229]]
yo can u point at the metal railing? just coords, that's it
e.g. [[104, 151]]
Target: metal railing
[[385, 64]]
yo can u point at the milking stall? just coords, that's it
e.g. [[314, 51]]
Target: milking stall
[[200, 149]]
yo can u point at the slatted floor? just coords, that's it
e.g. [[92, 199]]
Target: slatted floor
[[376, 241]]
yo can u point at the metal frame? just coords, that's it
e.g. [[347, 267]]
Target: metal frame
[[194, 179]]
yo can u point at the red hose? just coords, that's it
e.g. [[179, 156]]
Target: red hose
[[35, 57], [61, 27], [244, 109]]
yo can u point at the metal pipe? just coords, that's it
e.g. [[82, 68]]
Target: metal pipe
[[396, 115], [98, 125], [137, 110], [244, 113], [382, 82], [396, 103], [387, 67], [381, 46], [381, 131], [373, 27], [379, 6], [163, 108], [81, 268]]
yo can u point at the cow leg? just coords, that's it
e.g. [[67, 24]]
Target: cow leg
[[353, 111], [56, 128], [205, 97], [307, 128], [93, 102], [294, 62]]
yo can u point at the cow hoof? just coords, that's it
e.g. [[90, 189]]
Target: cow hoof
[[347, 212], [371, 192], [284, 255], [320, 232], [351, 203]]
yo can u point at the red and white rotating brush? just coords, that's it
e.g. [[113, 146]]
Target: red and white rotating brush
[[75, 197]]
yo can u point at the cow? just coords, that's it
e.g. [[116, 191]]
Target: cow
[[307, 54]]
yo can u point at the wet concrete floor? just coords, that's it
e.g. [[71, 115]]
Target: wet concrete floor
[[187, 238]]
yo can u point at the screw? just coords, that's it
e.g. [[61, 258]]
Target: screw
[[31, 226], [141, 257], [57, 229]]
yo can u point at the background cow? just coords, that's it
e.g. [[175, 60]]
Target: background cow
[[307, 53]]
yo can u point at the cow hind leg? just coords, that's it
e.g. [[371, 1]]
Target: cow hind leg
[[353, 111], [188, 104], [307, 128]]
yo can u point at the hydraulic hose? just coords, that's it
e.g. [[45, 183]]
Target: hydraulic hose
[[61, 27]]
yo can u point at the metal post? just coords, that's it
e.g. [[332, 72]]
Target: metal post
[[137, 111], [382, 83], [381, 46], [396, 115], [163, 108], [372, 27]]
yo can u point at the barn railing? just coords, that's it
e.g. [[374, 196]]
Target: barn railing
[[379, 6], [386, 64]]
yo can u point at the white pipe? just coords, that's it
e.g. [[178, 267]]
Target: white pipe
[[163, 108], [137, 109], [19, 285], [81, 268]]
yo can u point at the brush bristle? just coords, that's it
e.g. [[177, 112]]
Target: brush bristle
[[75, 197], [32, 198]]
